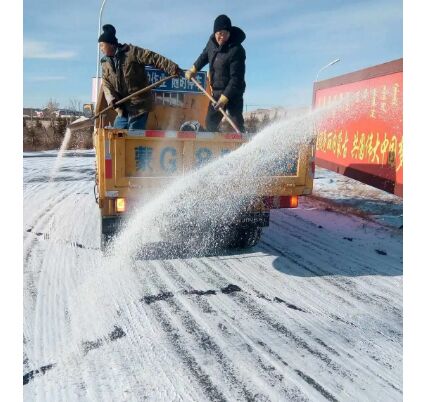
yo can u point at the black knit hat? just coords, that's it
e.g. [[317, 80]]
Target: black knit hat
[[108, 35], [222, 22]]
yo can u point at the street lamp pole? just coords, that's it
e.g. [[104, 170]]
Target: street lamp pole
[[98, 51], [326, 66]]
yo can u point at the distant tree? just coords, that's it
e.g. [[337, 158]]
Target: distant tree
[[51, 107], [252, 123], [59, 126], [265, 121], [32, 137], [75, 105], [275, 116], [38, 124]]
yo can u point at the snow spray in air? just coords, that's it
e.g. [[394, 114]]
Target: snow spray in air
[[218, 192], [61, 151], [215, 193]]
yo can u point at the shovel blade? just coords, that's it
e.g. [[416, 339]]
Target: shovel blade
[[80, 124]]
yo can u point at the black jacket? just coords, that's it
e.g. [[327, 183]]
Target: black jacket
[[227, 64]]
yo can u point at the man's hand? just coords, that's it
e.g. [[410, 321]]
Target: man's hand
[[190, 73], [113, 103], [221, 103], [117, 109]]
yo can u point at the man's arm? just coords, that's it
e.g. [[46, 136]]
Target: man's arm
[[202, 60], [146, 56], [108, 88], [237, 74]]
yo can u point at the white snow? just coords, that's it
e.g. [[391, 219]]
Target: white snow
[[316, 313], [348, 193]]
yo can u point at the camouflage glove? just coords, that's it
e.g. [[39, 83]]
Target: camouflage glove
[[221, 103], [190, 73]]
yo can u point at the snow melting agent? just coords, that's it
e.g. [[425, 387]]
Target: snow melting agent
[[61, 151], [198, 208], [185, 212]]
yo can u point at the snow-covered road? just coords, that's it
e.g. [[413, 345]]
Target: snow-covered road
[[314, 312]]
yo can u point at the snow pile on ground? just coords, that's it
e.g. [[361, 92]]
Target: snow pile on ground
[[354, 196]]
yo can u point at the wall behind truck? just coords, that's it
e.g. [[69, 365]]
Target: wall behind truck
[[365, 144]]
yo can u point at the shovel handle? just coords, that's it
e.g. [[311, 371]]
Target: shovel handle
[[139, 92], [220, 108], [90, 121]]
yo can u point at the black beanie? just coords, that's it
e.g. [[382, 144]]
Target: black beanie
[[108, 35], [222, 22]]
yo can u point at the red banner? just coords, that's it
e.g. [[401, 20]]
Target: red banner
[[364, 140]]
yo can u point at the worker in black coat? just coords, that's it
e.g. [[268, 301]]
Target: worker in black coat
[[226, 58]]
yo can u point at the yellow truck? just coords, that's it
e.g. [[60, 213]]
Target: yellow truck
[[145, 162]]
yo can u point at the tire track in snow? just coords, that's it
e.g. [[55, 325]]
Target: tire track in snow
[[317, 326], [174, 334], [257, 312], [32, 276], [271, 372], [244, 278], [40, 220], [206, 343], [370, 345], [141, 331], [52, 333], [136, 319], [325, 336], [345, 286], [258, 317], [369, 287]]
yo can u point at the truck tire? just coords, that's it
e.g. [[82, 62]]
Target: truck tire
[[105, 241], [247, 236], [109, 228]]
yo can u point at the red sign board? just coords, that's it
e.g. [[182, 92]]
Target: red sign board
[[365, 139]]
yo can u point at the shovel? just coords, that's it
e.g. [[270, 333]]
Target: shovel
[[91, 120], [214, 101]]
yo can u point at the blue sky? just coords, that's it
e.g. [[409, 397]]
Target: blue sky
[[287, 41]]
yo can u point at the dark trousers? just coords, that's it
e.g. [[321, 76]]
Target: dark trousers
[[234, 108]]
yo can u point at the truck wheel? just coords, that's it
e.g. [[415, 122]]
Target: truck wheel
[[109, 227], [105, 241], [247, 236]]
